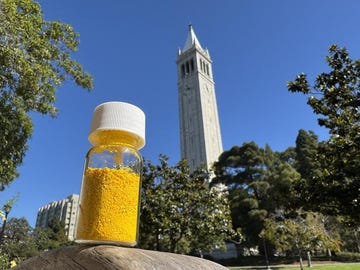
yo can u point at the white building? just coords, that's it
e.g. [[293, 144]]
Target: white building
[[200, 137], [65, 210]]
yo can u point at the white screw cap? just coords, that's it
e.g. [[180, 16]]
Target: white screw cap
[[122, 116]]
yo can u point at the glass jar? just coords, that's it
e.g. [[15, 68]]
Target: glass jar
[[110, 190]]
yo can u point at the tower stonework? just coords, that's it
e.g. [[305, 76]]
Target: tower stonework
[[200, 136]]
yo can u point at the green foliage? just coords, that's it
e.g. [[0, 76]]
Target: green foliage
[[306, 155], [335, 97], [18, 243], [265, 185], [22, 242], [52, 236], [259, 182], [4, 261], [348, 256], [4, 213], [16, 129], [347, 232], [35, 58], [306, 232], [179, 213], [307, 164]]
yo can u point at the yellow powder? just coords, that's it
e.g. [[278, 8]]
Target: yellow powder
[[108, 137], [109, 205]]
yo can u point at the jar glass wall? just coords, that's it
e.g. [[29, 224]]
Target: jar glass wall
[[110, 196]]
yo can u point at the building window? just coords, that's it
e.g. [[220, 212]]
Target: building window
[[192, 64], [183, 70]]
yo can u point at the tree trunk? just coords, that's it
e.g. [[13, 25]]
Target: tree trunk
[[173, 242], [266, 255], [2, 232], [308, 258], [172, 245], [158, 242], [301, 262], [329, 254]]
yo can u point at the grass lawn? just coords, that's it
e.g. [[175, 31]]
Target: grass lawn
[[344, 266]]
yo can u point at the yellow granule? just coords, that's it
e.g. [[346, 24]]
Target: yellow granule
[[109, 205], [109, 137]]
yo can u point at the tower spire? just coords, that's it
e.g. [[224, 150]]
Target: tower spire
[[191, 40]]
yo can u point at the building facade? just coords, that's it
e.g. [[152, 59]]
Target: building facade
[[65, 210], [200, 136]]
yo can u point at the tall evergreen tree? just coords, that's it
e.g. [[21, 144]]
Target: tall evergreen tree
[[306, 154], [308, 165], [258, 183], [335, 97]]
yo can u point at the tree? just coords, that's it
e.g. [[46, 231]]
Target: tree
[[306, 154], [21, 241], [52, 236], [4, 213], [308, 166], [35, 59], [18, 243], [179, 213], [58, 232], [4, 261], [305, 232], [347, 232], [259, 183], [335, 97]]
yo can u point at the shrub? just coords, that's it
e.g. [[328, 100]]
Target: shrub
[[347, 257]]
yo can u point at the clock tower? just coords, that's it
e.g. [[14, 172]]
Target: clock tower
[[200, 136]]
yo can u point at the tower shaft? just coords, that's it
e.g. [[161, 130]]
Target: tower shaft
[[200, 136]]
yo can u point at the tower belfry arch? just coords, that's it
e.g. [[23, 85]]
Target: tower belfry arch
[[200, 136]]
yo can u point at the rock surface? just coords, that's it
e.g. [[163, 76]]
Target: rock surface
[[113, 258]]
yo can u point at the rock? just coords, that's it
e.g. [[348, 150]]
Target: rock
[[106, 257]]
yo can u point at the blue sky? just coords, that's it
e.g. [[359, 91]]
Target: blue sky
[[130, 48]]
